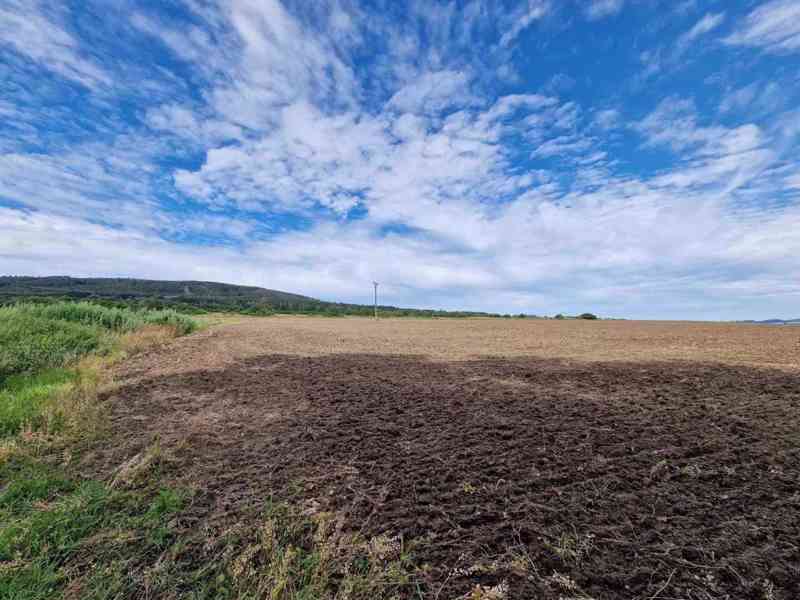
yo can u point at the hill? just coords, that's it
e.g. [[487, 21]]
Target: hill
[[775, 322], [124, 288], [187, 296]]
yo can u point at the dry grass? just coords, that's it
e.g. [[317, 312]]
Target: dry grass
[[149, 336]]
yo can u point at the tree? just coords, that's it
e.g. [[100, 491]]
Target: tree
[[588, 316]]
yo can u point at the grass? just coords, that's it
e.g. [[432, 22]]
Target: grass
[[23, 399], [53, 523], [50, 525], [301, 556], [61, 537], [41, 344], [35, 337]]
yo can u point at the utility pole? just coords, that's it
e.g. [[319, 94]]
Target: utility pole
[[375, 283]]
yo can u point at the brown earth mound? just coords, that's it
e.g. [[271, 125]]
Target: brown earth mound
[[538, 478]]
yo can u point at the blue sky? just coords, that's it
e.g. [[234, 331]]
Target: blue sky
[[636, 158]]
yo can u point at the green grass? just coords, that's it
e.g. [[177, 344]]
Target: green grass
[[52, 524], [104, 317], [39, 341], [23, 398], [29, 343], [47, 521]]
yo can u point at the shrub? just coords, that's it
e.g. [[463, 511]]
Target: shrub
[[588, 316], [181, 323]]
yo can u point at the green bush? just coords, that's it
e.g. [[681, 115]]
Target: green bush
[[181, 323], [588, 316]]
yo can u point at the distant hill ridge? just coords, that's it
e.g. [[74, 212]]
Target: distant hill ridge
[[113, 287], [775, 322], [189, 295]]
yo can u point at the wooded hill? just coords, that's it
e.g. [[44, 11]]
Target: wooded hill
[[188, 296]]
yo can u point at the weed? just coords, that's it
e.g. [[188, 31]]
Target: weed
[[659, 470], [482, 592], [468, 488], [572, 548], [139, 468]]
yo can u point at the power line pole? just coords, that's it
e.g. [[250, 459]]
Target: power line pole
[[375, 283]]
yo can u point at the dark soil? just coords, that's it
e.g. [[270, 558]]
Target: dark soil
[[563, 480]]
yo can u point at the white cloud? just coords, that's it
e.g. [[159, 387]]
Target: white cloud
[[774, 26], [708, 23], [599, 9], [793, 182], [433, 92], [183, 122], [534, 11], [607, 119], [28, 29]]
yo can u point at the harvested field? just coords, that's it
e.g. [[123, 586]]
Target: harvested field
[[461, 339], [523, 476]]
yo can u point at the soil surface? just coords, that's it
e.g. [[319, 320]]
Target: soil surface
[[774, 346], [539, 478]]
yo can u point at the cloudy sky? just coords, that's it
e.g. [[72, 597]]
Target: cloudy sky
[[636, 158]]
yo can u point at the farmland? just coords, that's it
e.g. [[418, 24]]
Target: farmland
[[300, 457], [507, 459]]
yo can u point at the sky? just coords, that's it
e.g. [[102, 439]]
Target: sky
[[632, 158]]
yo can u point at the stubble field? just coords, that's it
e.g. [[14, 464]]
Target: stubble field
[[501, 458]]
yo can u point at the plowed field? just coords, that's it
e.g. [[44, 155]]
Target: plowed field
[[524, 476]]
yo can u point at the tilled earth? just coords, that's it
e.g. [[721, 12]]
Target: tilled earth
[[540, 478]]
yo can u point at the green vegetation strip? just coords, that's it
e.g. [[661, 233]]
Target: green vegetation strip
[[41, 336], [54, 526]]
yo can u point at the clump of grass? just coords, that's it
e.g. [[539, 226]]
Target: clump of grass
[[300, 556], [572, 548]]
